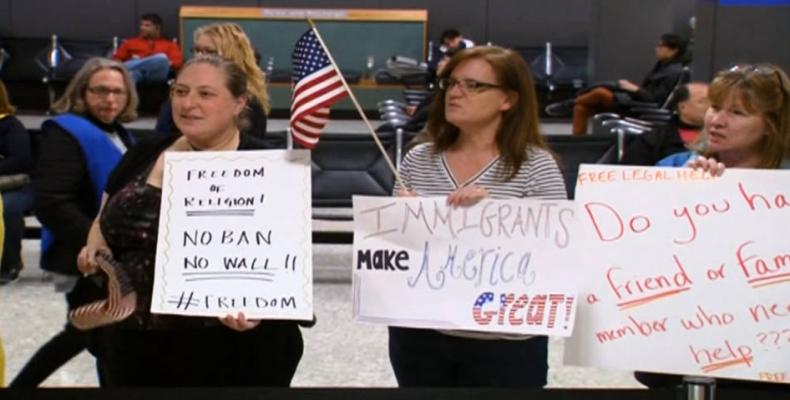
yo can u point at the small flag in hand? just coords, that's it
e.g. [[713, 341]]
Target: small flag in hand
[[317, 85]]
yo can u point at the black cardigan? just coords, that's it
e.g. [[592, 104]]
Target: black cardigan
[[63, 197], [659, 82]]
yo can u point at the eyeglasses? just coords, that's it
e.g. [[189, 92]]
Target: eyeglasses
[[757, 69], [466, 85], [204, 50], [104, 91]]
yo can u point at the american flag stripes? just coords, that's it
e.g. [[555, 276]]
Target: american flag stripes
[[317, 84], [483, 317]]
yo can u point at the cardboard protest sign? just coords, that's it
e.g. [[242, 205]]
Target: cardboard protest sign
[[683, 273], [235, 235], [492, 267]]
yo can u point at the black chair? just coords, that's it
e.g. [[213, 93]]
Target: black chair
[[79, 52], [22, 75], [345, 164], [571, 151], [37, 70]]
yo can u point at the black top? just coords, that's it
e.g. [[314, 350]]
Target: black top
[[130, 225], [14, 147], [255, 115], [651, 147], [63, 197], [659, 82]]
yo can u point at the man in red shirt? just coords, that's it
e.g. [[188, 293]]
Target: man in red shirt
[[149, 56]]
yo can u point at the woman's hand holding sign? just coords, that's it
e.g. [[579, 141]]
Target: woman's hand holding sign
[[239, 322], [709, 164], [406, 193], [467, 196]]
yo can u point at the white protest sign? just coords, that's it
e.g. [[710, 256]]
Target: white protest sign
[[683, 273], [492, 267], [235, 235]]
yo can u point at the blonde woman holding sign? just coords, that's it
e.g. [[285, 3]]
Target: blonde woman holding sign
[[484, 142], [209, 100], [746, 126]]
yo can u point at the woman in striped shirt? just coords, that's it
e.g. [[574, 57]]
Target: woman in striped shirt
[[483, 142]]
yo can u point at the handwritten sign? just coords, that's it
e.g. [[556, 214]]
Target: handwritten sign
[[491, 267], [235, 235], [683, 273]]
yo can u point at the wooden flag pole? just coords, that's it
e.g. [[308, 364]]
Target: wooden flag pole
[[356, 103]]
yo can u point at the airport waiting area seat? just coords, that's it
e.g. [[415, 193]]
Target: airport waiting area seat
[[36, 71], [658, 111], [348, 164]]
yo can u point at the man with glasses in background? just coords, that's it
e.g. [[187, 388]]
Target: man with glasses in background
[[149, 56]]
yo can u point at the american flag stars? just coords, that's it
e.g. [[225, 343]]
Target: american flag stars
[[316, 85]]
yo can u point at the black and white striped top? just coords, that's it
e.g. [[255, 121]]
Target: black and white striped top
[[426, 172]]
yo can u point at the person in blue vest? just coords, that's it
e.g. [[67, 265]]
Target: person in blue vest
[[79, 149]]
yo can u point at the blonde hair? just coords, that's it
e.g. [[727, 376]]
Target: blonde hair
[[73, 99], [5, 103], [764, 90], [233, 44]]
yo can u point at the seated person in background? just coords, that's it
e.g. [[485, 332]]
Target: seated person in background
[[692, 103], [746, 126], [229, 41], [683, 128], [418, 115], [149, 57], [450, 42], [656, 87], [453, 40], [15, 164]]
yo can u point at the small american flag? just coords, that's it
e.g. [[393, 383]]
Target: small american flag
[[317, 84]]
